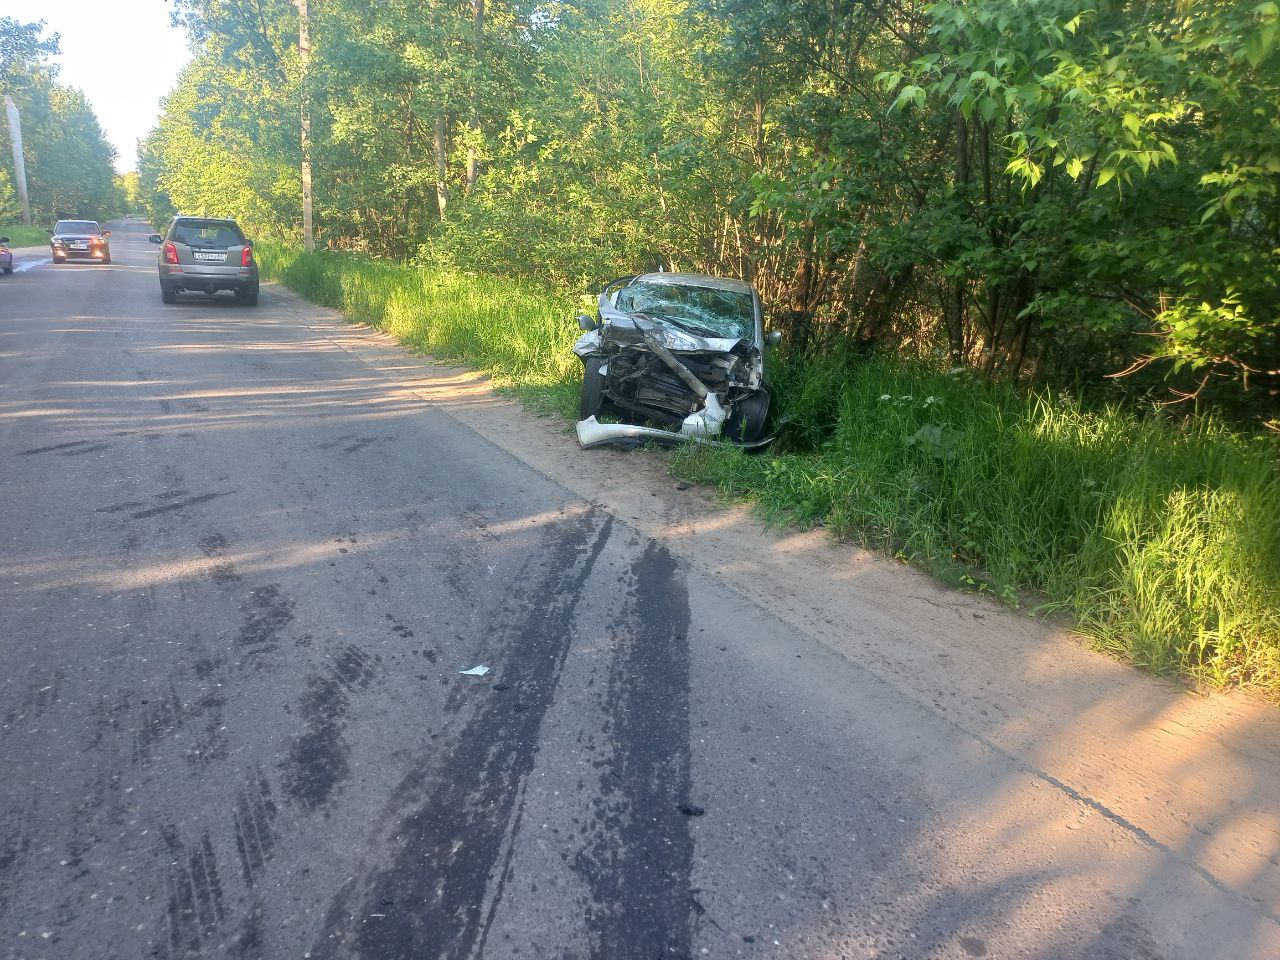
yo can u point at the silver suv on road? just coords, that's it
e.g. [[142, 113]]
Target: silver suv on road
[[208, 255]]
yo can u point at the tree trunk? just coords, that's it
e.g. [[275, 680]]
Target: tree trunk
[[442, 183], [304, 55], [19, 160], [953, 305]]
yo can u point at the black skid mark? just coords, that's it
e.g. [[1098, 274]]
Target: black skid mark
[[57, 446], [178, 505], [353, 668], [253, 816], [638, 861], [450, 844], [319, 759], [267, 611], [195, 906], [159, 719]]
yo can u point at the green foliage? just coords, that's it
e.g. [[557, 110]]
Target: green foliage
[[69, 162]]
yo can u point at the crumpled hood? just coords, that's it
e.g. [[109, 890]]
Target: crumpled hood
[[623, 329]]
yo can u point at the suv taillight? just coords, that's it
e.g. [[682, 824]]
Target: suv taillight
[[246, 257], [170, 253]]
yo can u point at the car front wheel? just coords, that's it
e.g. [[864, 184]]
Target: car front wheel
[[592, 400], [748, 418]]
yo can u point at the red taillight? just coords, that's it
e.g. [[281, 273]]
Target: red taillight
[[170, 253], [246, 257]]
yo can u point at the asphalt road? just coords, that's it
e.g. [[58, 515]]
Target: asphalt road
[[240, 575]]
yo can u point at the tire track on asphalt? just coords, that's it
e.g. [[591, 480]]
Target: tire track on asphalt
[[429, 901], [638, 859]]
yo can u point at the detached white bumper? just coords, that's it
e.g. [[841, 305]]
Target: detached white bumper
[[593, 433]]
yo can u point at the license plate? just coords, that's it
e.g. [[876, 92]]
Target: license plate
[[79, 245], [211, 257]]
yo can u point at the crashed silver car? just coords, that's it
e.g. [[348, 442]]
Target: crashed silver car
[[680, 350]]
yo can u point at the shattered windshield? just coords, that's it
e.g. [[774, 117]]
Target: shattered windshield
[[703, 310]]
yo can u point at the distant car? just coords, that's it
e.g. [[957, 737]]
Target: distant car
[[208, 255], [6, 256], [79, 240]]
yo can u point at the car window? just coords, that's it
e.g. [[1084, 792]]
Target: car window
[[207, 233], [723, 313], [75, 226]]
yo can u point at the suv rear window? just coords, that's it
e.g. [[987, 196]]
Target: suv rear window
[[207, 233]]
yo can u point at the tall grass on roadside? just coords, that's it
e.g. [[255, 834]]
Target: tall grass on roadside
[[1160, 539], [519, 334], [22, 236]]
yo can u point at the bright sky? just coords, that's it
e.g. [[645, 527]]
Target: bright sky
[[122, 53]]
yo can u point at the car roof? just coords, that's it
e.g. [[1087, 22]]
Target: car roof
[[190, 216], [696, 280]]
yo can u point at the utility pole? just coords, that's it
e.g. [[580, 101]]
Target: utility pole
[[19, 162], [304, 54]]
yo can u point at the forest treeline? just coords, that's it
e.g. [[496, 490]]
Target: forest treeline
[[1044, 190], [69, 162]]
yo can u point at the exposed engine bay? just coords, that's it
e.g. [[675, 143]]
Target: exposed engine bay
[[675, 356]]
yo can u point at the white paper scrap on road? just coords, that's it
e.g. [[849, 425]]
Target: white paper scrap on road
[[478, 671]]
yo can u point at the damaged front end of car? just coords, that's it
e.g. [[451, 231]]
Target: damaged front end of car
[[677, 357]]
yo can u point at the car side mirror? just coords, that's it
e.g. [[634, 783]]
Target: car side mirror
[[586, 323], [773, 338], [106, 233], [155, 238]]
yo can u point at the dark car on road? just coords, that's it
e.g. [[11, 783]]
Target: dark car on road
[[79, 240], [6, 256], [206, 254]]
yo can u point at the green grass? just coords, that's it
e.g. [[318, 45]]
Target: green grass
[[520, 335], [1160, 540], [20, 236]]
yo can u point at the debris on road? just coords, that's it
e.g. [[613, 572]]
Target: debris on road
[[476, 671]]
